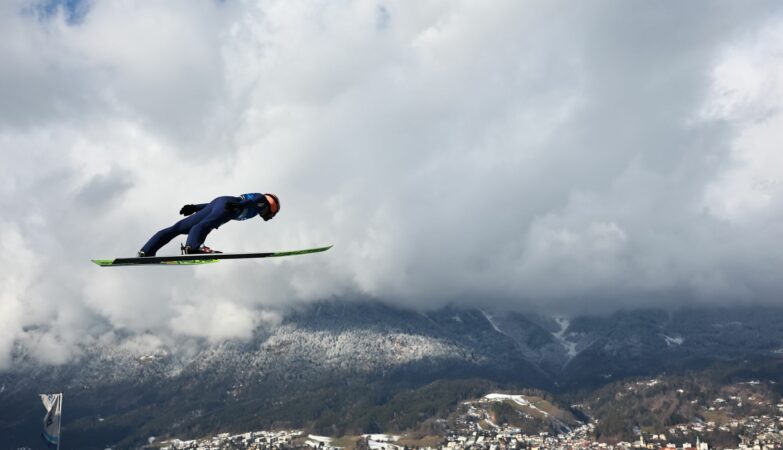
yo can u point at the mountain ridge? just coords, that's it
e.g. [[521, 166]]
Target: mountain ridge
[[356, 357]]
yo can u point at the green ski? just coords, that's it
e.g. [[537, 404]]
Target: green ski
[[206, 258]]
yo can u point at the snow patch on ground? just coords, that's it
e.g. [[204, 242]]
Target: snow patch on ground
[[382, 441], [316, 438], [670, 341], [382, 437], [569, 346], [491, 322], [491, 423], [518, 399], [366, 350]]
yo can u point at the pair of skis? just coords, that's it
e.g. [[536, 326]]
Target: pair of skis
[[206, 258]]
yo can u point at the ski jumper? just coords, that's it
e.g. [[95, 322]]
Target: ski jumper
[[208, 217]]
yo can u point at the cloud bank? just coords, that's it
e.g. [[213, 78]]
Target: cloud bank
[[509, 154]]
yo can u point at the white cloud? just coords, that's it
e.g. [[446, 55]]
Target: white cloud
[[218, 320], [747, 88], [526, 154]]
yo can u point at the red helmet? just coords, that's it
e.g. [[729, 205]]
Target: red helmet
[[274, 206]]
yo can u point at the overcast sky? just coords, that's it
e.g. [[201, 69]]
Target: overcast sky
[[562, 156]]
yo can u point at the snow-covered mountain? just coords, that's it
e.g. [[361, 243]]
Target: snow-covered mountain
[[351, 355]]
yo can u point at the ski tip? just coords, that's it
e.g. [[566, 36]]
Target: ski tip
[[302, 252]]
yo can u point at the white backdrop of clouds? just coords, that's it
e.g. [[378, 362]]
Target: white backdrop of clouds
[[505, 154]]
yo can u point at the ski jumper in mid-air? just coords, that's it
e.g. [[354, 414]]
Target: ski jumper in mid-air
[[206, 217]]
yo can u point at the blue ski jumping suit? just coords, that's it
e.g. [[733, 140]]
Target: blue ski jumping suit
[[208, 217]]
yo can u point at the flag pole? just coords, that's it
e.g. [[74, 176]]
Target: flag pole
[[60, 426]]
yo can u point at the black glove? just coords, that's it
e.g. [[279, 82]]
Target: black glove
[[188, 210], [233, 206]]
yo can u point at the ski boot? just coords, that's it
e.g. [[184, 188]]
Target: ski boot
[[187, 250]]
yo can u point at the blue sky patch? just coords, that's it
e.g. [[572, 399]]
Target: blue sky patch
[[74, 10]]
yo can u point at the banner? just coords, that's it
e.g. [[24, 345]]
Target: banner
[[51, 422]]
